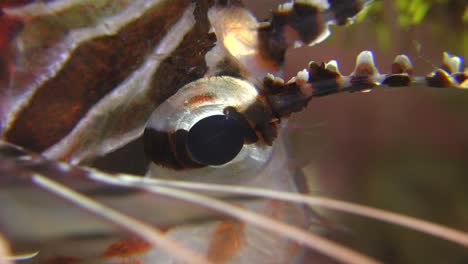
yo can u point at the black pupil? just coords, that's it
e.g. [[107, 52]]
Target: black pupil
[[215, 140]]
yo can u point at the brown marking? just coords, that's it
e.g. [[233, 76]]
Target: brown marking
[[200, 99], [94, 69], [307, 20], [290, 34], [167, 149], [185, 65], [303, 23], [13, 3], [228, 239], [323, 80], [259, 115], [440, 79], [397, 80], [127, 247], [361, 83], [187, 62], [344, 10], [249, 132], [10, 27], [365, 69], [62, 260], [460, 77], [398, 68]]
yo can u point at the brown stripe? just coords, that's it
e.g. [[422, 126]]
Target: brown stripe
[[94, 69], [187, 62], [10, 26], [439, 79], [397, 80], [167, 149], [184, 63], [303, 23], [14, 3], [343, 10], [62, 260]]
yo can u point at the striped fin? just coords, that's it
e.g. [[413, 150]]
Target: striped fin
[[324, 79], [56, 99]]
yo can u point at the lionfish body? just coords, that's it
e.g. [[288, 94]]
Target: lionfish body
[[86, 83]]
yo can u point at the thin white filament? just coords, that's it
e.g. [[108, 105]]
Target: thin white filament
[[19, 257], [149, 233], [324, 246], [426, 227]]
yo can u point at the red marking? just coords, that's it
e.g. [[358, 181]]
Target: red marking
[[227, 241], [127, 247], [200, 99]]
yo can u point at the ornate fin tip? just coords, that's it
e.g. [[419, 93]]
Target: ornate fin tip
[[302, 76], [321, 5], [365, 64], [286, 7], [333, 66], [274, 79], [402, 64], [451, 64]]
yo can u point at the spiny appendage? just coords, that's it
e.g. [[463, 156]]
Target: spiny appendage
[[325, 78], [303, 21]]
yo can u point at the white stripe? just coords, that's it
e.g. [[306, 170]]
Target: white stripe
[[40, 8], [56, 56], [130, 91]]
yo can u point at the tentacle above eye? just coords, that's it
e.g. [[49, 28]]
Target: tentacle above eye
[[321, 79]]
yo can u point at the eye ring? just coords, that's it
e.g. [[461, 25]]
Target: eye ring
[[172, 127]]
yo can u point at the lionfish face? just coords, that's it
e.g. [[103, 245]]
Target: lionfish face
[[151, 131]]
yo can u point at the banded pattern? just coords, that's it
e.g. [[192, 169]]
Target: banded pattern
[[325, 79], [112, 46], [79, 80]]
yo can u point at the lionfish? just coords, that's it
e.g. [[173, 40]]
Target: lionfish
[[187, 100]]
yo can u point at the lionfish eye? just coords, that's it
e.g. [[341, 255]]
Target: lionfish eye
[[210, 122], [215, 140]]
